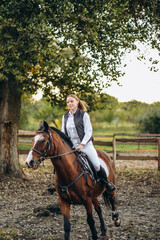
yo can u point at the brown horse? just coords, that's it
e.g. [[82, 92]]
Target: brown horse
[[72, 183]]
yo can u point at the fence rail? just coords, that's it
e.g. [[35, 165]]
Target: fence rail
[[140, 139]]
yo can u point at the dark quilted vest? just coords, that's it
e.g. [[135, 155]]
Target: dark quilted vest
[[78, 121]]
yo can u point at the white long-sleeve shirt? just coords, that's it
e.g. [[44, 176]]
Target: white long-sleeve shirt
[[72, 132]]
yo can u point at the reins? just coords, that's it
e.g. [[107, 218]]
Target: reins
[[60, 155], [51, 157]]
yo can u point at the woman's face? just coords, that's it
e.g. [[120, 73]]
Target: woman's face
[[72, 104]]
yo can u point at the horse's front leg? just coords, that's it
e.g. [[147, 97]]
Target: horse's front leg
[[90, 220], [115, 215], [67, 228], [99, 212], [65, 208]]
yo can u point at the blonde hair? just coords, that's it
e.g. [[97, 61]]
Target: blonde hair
[[82, 104]]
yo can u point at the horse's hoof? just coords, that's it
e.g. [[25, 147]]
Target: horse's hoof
[[117, 222]]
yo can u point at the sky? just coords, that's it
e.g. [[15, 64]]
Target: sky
[[138, 83]]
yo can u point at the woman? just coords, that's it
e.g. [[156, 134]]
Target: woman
[[76, 124]]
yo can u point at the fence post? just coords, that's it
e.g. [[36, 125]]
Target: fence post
[[114, 151], [158, 140]]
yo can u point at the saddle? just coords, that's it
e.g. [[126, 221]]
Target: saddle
[[86, 164]]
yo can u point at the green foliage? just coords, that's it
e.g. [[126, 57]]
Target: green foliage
[[105, 128], [133, 109], [68, 46], [32, 112], [149, 122], [51, 114], [121, 117], [117, 112], [107, 114]]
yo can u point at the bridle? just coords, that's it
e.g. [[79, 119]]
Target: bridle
[[47, 148]]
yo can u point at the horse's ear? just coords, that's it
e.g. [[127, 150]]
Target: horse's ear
[[46, 127], [43, 126]]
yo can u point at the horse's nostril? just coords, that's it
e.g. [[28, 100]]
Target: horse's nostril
[[31, 163]]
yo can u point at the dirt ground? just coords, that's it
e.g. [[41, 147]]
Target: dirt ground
[[26, 208]]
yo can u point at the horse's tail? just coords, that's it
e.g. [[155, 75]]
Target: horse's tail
[[106, 199]]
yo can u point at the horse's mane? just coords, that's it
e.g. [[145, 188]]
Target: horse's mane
[[63, 136]]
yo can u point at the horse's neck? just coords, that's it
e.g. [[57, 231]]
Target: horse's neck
[[65, 166], [61, 147]]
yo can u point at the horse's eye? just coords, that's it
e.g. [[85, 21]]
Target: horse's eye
[[43, 141]]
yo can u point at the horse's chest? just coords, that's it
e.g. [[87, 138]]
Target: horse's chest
[[73, 196]]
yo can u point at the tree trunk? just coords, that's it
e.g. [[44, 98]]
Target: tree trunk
[[10, 104]]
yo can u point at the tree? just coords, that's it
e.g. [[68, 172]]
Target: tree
[[63, 47], [32, 112], [149, 122], [133, 109]]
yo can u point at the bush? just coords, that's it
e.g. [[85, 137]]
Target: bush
[[150, 122]]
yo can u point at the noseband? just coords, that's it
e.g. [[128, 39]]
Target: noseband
[[48, 146]]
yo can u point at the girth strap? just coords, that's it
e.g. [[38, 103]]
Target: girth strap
[[64, 188]]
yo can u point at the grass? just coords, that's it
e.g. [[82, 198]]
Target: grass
[[9, 234], [24, 146], [110, 129], [136, 147], [123, 148]]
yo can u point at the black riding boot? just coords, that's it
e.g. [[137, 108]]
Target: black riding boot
[[102, 175]]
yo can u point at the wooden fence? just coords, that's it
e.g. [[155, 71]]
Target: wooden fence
[[138, 139]]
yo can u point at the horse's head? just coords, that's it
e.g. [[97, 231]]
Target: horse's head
[[42, 143]]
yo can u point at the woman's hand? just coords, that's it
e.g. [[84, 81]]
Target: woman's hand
[[79, 148]]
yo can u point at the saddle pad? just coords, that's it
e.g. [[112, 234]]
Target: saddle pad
[[104, 166]]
